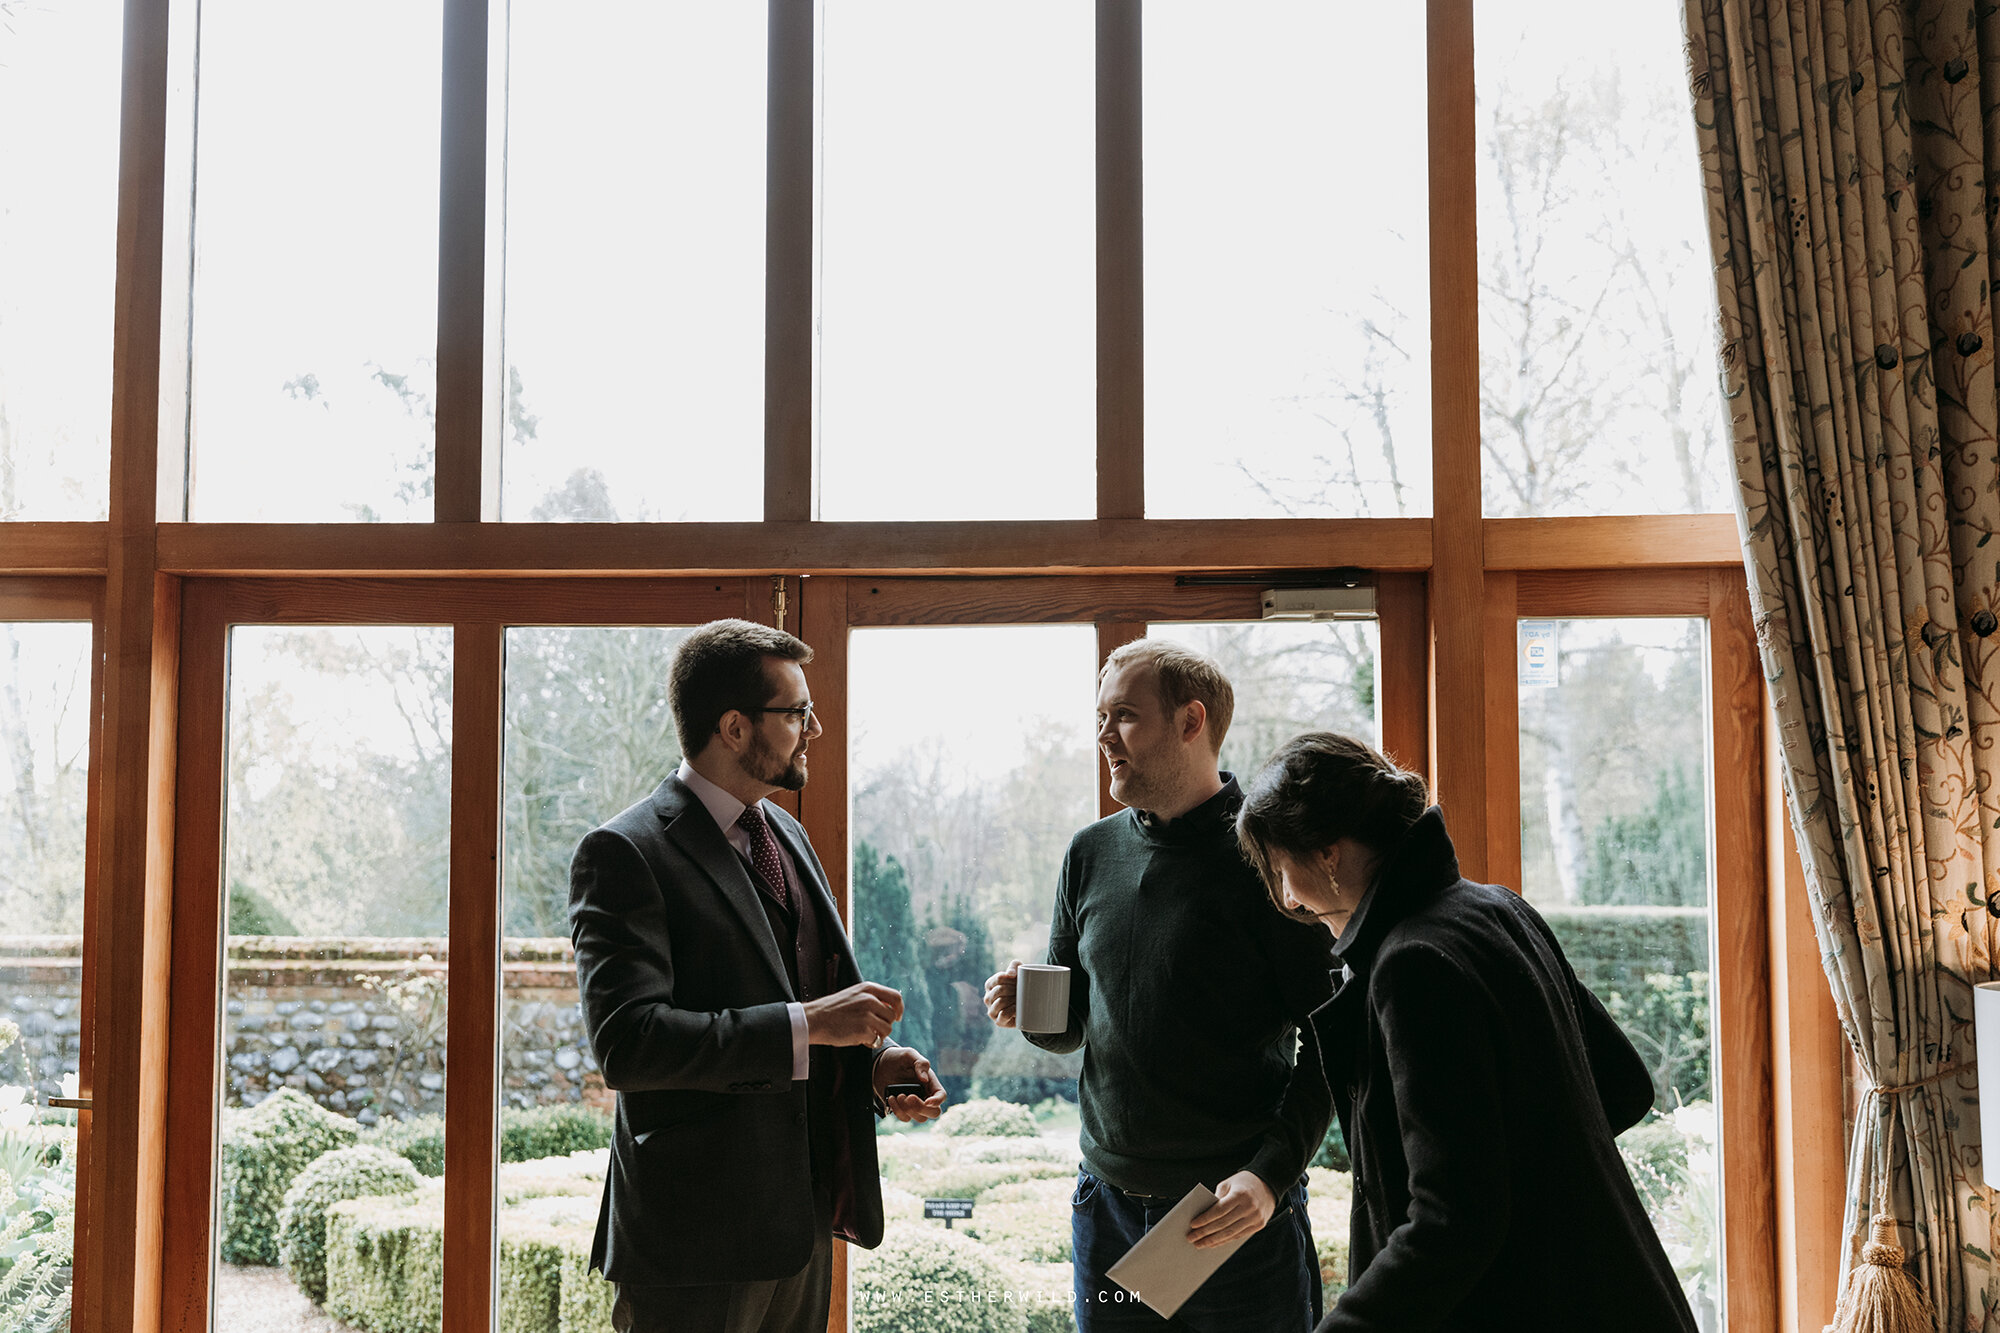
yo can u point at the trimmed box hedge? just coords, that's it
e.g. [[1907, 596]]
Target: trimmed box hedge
[[345, 1173], [263, 1150], [385, 1262]]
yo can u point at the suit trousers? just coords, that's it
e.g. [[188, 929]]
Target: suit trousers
[[795, 1304]]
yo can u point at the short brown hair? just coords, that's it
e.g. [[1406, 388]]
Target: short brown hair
[[1183, 676], [720, 666]]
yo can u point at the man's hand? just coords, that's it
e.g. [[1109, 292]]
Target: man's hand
[[1243, 1204], [857, 1016], [1000, 988], [902, 1064]]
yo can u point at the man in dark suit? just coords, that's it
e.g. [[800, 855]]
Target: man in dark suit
[[724, 1006]]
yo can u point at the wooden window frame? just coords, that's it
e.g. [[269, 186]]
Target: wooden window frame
[[158, 585]]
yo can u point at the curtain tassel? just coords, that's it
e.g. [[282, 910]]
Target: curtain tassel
[[1879, 1296]]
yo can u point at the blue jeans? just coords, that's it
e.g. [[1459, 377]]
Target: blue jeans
[[1271, 1285]]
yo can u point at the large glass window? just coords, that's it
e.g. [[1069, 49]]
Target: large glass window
[[45, 711], [1615, 854], [1287, 291], [634, 312], [1597, 370], [1289, 677], [314, 340], [957, 351], [336, 854], [972, 766], [58, 216]]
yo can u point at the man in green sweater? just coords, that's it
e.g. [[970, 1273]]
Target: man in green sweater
[[1188, 994]]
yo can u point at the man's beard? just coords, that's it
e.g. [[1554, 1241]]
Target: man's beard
[[786, 772]]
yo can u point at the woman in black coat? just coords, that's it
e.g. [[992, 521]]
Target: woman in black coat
[[1479, 1085]]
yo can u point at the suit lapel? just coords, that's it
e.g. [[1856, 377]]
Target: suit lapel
[[691, 829]]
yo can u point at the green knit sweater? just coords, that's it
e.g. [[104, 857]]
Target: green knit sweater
[[1186, 991]]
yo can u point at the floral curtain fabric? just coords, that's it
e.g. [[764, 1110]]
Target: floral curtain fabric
[[1851, 155]]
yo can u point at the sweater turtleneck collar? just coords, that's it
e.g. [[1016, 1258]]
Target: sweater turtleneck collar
[[1215, 815]]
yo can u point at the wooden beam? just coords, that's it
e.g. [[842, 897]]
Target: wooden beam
[[118, 1259], [1623, 542], [1401, 665], [730, 549], [1111, 636], [1503, 733], [462, 374], [1742, 943], [53, 548], [472, 1036], [1546, 594], [1806, 1077], [1121, 281], [441, 601], [1058, 600], [788, 266], [52, 598], [1457, 586], [193, 1015]]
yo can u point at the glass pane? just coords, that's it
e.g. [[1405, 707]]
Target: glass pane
[[1289, 677], [45, 712], [58, 221], [1614, 852], [336, 862], [588, 732], [315, 291], [1287, 321], [972, 766], [1598, 379], [958, 363], [635, 262]]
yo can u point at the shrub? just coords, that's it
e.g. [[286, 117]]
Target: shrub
[[263, 1151], [418, 1141], [551, 1131], [530, 1279], [923, 1276], [585, 1303], [385, 1262], [1028, 1222], [988, 1117], [1332, 1154], [345, 1173]]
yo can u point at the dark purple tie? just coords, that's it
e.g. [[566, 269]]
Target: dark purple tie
[[764, 853]]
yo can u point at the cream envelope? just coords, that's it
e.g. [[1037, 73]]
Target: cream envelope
[[1165, 1268]]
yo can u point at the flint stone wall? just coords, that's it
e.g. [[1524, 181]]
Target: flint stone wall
[[356, 1024]]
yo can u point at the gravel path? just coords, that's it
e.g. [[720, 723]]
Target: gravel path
[[263, 1300]]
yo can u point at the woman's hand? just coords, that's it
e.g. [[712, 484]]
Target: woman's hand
[[1243, 1204], [999, 997]]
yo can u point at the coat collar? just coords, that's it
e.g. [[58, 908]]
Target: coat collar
[[690, 827], [1412, 871]]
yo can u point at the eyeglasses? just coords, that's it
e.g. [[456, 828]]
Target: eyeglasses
[[803, 712]]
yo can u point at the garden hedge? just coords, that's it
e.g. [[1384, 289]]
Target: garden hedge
[[263, 1150], [987, 1117], [525, 1135], [940, 1281], [360, 1172], [385, 1262]]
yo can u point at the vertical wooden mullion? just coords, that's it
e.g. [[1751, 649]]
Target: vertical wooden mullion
[[1111, 636], [461, 305], [1457, 585], [1806, 1077], [472, 1033], [822, 621], [119, 1258], [1503, 731], [1402, 662], [194, 1016], [1741, 949], [788, 266], [1121, 332]]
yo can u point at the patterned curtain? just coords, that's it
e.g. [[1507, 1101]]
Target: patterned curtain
[[1849, 153]]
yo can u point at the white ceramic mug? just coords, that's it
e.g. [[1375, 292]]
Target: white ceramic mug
[[1041, 997]]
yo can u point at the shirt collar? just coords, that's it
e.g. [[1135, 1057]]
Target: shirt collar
[[721, 806], [1212, 816]]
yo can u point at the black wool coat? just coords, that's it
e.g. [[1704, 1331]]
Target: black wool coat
[[1479, 1086]]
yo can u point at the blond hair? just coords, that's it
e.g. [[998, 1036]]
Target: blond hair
[[1183, 676]]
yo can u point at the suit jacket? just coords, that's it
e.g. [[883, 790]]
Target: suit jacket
[[684, 1001], [1480, 1086]]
